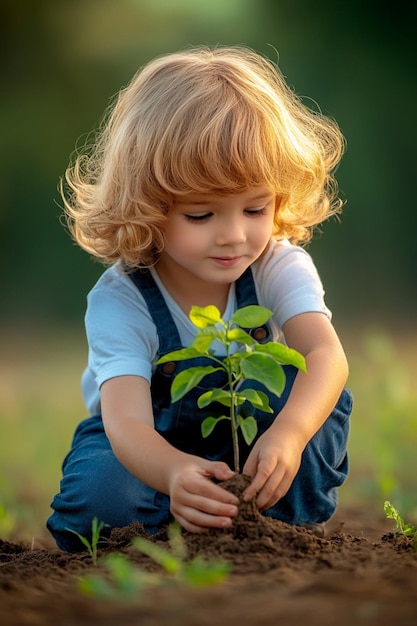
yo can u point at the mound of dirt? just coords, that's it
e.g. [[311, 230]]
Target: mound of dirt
[[358, 574]]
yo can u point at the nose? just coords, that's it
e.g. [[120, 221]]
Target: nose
[[231, 232]]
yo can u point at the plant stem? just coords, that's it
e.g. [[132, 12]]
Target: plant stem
[[233, 419], [234, 435]]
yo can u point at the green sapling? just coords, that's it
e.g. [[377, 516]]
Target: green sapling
[[124, 581], [96, 529], [402, 528], [195, 572], [245, 358]]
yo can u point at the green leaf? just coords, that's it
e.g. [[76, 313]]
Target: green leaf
[[128, 581], [205, 337], [179, 355], [215, 395], [409, 530], [208, 425], [94, 586], [405, 529], [392, 513], [96, 528], [239, 335], [264, 369], [232, 362], [165, 559], [83, 539], [249, 428], [205, 316], [258, 399], [188, 379], [251, 316], [282, 354], [202, 342], [176, 541], [199, 573]]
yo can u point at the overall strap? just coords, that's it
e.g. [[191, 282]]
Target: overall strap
[[245, 289], [169, 338]]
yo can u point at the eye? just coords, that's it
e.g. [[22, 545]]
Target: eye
[[255, 212], [197, 217]]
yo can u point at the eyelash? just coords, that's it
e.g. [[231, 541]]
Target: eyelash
[[200, 219], [256, 212]]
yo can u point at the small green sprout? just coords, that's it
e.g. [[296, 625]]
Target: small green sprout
[[251, 360], [402, 528], [124, 581], [195, 572], [96, 529]]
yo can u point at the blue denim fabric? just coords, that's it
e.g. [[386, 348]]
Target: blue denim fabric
[[95, 484]]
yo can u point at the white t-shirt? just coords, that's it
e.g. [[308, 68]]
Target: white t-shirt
[[122, 336]]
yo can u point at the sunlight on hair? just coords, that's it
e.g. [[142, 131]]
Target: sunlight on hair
[[211, 120]]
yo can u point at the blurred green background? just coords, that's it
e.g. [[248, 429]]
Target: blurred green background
[[62, 61]]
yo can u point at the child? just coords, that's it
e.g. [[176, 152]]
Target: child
[[205, 178]]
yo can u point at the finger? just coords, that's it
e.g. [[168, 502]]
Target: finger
[[220, 471], [250, 466], [211, 498], [220, 495], [262, 475], [212, 491], [198, 522], [211, 506], [192, 528], [253, 489], [203, 494], [264, 484], [274, 489]]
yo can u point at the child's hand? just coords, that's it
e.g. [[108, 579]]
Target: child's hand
[[272, 464], [197, 503]]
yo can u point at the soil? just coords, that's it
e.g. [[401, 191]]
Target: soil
[[359, 573]]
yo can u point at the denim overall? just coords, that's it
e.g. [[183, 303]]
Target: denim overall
[[95, 484]]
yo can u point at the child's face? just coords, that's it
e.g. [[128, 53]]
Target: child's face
[[214, 238]]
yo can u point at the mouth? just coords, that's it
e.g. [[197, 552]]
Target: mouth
[[226, 261]]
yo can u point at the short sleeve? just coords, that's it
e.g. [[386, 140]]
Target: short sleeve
[[122, 338], [288, 282]]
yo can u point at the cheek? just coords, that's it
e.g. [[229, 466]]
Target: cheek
[[182, 239], [263, 234]]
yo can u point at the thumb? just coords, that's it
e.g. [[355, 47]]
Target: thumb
[[220, 470]]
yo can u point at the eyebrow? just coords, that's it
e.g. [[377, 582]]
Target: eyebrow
[[259, 196]]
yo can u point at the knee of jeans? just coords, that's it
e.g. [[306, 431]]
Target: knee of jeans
[[107, 491]]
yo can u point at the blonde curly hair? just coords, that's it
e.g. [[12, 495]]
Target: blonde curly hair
[[218, 120]]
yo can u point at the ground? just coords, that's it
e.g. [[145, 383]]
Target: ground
[[359, 573]]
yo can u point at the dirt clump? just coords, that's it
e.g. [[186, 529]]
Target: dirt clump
[[359, 573]]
